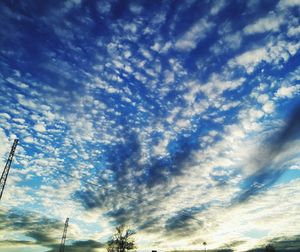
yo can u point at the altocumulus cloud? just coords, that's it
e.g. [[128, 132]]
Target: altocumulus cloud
[[173, 118]]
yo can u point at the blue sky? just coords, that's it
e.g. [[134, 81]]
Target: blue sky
[[179, 119]]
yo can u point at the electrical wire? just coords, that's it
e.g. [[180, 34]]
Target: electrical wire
[[127, 196]]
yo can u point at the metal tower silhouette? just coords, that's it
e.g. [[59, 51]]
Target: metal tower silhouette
[[7, 167], [63, 239]]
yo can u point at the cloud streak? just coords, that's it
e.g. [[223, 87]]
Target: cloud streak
[[267, 168]]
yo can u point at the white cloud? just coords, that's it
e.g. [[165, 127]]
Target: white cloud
[[268, 107], [130, 27], [250, 59], [233, 40], [128, 69], [40, 127], [169, 76], [262, 98], [229, 105], [146, 53], [191, 38], [156, 46], [28, 139], [293, 31], [161, 148], [217, 7], [295, 166], [217, 86], [227, 42], [287, 91], [270, 23], [99, 83], [17, 83], [182, 124], [72, 3], [254, 114], [274, 52], [27, 103], [135, 8], [49, 115], [275, 217], [127, 54], [104, 7], [19, 120], [4, 146], [166, 47], [5, 115], [288, 3]]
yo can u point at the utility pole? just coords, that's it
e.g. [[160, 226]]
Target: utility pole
[[7, 167], [63, 239]]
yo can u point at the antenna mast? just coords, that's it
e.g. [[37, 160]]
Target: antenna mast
[[7, 167], [63, 239]]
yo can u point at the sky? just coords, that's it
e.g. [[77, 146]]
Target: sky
[[177, 118]]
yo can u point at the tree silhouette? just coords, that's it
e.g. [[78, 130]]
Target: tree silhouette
[[204, 244], [122, 240]]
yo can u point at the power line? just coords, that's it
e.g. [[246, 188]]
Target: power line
[[90, 183], [127, 196], [9, 161]]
